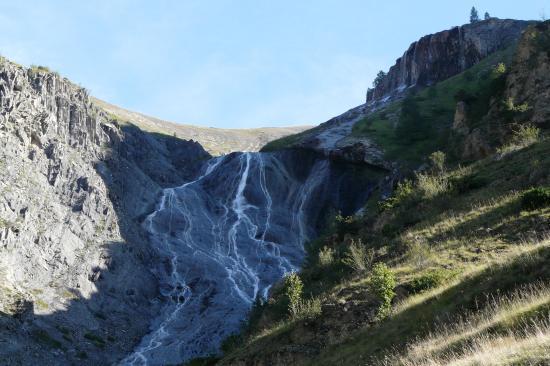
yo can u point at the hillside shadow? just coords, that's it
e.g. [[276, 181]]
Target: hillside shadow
[[469, 295], [108, 324]]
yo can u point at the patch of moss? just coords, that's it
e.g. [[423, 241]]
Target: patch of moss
[[45, 338], [96, 340]]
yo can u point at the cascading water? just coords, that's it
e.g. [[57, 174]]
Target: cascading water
[[225, 238]]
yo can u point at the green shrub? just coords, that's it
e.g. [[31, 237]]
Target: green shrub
[[526, 135], [523, 136], [469, 183], [511, 107], [428, 280], [346, 225], [403, 191], [307, 309], [293, 287], [431, 185], [357, 257], [382, 284], [499, 70], [536, 198], [326, 256], [437, 161]]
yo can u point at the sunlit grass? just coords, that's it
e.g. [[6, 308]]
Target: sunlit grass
[[508, 329]]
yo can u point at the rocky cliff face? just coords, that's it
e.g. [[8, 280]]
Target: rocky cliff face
[[529, 80], [520, 99], [75, 273], [441, 55], [112, 249]]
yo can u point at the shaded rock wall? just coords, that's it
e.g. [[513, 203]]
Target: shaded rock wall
[[75, 279], [529, 78]]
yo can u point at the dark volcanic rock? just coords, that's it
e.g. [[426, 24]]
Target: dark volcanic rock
[[439, 56]]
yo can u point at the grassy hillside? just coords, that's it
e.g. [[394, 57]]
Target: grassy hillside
[[469, 249], [452, 269], [216, 141], [411, 139], [409, 129]]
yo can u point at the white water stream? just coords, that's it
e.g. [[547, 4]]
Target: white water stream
[[225, 238]]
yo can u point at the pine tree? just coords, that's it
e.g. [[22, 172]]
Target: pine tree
[[474, 16], [487, 16], [379, 77]]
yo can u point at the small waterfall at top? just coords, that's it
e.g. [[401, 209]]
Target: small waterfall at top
[[225, 238]]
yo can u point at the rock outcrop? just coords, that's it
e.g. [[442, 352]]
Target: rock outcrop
[[529, 80], [110, 244], [439, 56], [75, 268]]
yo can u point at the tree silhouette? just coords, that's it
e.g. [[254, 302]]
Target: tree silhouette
[[379, 77], [474, 16]]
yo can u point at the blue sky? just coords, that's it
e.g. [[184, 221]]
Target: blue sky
[[230, 63]]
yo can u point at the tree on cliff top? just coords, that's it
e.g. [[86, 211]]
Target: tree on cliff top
[[474, 16], [487, 15], [379, 77]]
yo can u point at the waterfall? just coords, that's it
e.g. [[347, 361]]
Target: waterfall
[[224, 239]]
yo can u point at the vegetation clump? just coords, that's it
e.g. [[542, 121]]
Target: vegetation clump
[[403, 191], [379, 78], [524, 136], [326, 256], [437, 161], [40, 69], [358, 257], [382, 284], [536, 198], [474, 15], [428, 280], [431, 186], [307, 309], [293, 287]]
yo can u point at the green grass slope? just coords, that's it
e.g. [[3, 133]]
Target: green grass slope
[[452, 269], [469, 249], [411, 139], [408, 139]]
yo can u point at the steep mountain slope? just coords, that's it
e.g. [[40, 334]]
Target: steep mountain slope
[[121, 245], [216, 141], [432, 59], [452, 267], [75, 263]]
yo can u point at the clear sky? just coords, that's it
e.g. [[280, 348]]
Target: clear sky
[[231, 63]]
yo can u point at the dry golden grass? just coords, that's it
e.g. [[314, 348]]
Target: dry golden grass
[[512, 254], [475, 339], [530, 348]]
